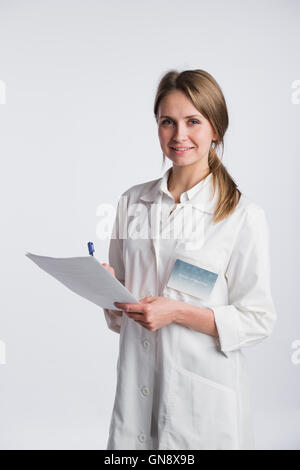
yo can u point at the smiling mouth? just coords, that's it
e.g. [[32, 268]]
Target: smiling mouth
[[181, 150]]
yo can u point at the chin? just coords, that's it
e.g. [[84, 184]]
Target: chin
[[179, 161]]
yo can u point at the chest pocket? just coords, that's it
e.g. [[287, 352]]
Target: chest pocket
[[191, 279]]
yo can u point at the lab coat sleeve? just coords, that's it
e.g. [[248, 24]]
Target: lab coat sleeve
[[115, 259], [250, 316]]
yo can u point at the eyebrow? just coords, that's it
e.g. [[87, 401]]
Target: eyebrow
[[193, 115]]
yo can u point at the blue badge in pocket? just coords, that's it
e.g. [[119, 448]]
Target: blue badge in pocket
[[191, 279]]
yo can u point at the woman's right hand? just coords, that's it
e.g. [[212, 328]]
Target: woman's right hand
[[111, 270]]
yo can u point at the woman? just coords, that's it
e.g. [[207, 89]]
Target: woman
[[196, 254]]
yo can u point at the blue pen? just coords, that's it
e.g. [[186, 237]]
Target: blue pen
[[91, 248]]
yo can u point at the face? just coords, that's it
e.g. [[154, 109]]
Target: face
[[181, 125]]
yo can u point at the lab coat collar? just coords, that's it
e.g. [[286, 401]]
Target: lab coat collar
[[200, 195]]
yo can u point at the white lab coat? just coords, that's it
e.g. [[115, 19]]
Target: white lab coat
[[178, 388]]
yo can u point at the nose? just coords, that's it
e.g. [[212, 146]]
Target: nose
[[179, 135]]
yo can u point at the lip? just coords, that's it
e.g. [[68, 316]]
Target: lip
[[181, 152]]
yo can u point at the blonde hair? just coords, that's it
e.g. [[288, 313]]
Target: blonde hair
[[206, 95]]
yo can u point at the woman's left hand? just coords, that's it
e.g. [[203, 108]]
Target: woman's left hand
[[152, 312]]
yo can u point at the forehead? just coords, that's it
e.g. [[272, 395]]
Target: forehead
[[176, 104]]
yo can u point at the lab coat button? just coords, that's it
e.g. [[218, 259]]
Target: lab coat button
[[145, 391], [141, 437], [146, 344]]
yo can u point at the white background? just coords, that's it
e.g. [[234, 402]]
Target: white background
[[76, 131]]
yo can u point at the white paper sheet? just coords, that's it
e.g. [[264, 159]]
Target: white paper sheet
[[86, 277]]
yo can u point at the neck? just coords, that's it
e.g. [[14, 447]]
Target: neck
[[183, 178]]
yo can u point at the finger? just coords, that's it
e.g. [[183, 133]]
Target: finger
[[142, 323], [147, 299], [128, 307], [135, 316], [120, 305]]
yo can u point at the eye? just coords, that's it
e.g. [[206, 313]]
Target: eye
[[165, 120], [170, 120]]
